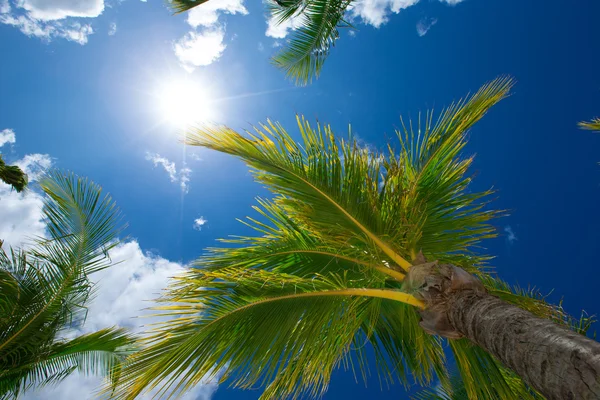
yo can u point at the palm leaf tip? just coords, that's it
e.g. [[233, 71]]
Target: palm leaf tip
[[593, 125], [13, 176], [180, 6], [303, 57]]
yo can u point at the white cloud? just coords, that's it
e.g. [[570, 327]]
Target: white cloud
[[34, 165], [377, 12], [7, 136], [112, 28], [194, 156], [168, 165], [124, 293], [184, 179], [182, 176], [46, 10], [261, 47], [201, 47], [424, 25], [510, 235], [208, 14], [20, 215], [280, 30], [198, 49], [199, 223], [4, 7], [72, 31]]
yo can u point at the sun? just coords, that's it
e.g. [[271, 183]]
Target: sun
[[183, 103]]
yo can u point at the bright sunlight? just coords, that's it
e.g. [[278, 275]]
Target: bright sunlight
[[184, 103]]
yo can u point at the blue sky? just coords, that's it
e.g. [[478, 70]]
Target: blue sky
[[84, 85]]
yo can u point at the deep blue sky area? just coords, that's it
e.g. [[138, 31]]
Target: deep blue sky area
[[93, 108]]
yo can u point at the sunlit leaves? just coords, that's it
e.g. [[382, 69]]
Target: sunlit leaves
[[44, 289], [321, 280]]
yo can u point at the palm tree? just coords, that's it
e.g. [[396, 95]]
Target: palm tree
[[329, 276], [12, 175], [44, 289], [303, 56]]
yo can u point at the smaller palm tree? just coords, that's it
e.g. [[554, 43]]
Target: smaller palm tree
[[13, 176], [319, 21], [44, 289]]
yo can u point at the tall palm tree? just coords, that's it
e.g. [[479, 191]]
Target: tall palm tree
[[13, 176], [44, 289], [319, 21], [329, 276]]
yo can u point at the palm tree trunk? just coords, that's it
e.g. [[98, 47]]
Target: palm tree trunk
[[559, 363]]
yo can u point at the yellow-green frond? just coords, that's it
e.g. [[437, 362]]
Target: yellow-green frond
[[593, 125]]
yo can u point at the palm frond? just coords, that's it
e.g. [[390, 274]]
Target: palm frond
[[305, 53], [426, 185], [45, 287], [100, 353], [13, 176], [261, 328], [288, 246], [331, 188], [593, 125]]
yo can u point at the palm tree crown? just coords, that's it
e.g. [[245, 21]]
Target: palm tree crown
[[323, 280], [44, 289]]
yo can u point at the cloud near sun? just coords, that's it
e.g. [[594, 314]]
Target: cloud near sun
[[203, 44]]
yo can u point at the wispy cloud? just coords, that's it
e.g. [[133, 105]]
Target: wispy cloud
[[194, 156], [279, 30], [7, 136], [424, 25], [181, 176], [112, 28], [510, 235], [199, 223]]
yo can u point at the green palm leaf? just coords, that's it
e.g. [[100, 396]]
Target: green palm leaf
[[593, 125], [303, 56], [99, 353], [45, 289], [259, 327]]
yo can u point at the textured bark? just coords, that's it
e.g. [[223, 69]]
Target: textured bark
[[559, 363]]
